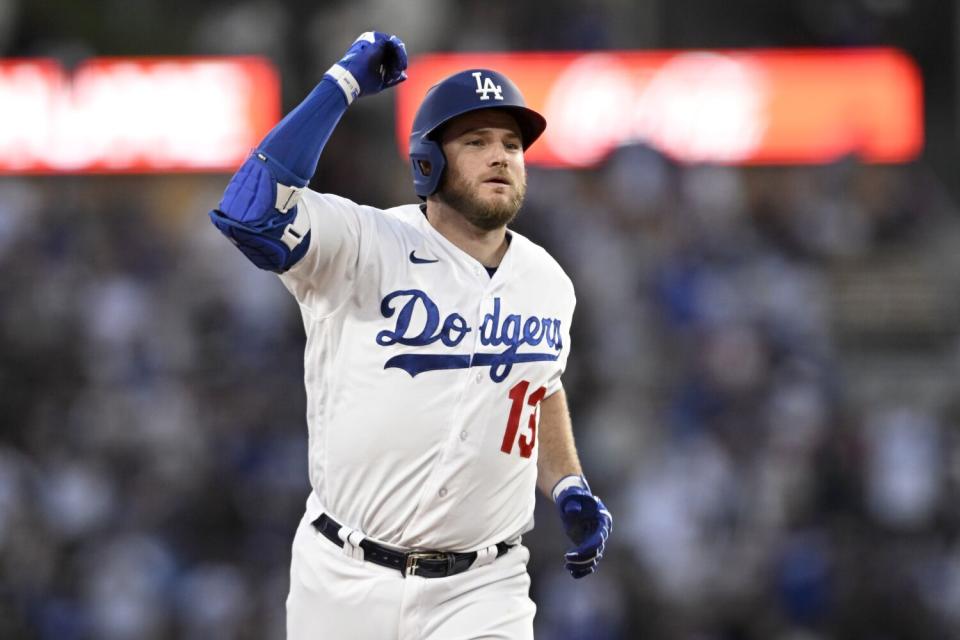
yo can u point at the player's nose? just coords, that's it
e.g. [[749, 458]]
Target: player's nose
[[499, 155]]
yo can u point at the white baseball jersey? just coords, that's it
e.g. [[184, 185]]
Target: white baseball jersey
[[424, 375]]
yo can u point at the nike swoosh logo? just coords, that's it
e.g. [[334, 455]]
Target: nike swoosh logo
[[415, 260]]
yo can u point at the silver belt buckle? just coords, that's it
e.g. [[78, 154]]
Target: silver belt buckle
[[414, 558]]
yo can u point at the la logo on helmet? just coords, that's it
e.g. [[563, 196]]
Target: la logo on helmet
[[485, 86]]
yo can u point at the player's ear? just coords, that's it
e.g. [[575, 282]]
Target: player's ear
[[424, 167]]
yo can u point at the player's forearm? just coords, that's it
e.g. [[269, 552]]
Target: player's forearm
[[375, 61], [297, 141], [558, 453]]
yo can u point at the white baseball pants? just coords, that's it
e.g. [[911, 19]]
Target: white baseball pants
[[336, 597]]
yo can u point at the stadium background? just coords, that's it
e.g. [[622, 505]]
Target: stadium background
[[764, 379]]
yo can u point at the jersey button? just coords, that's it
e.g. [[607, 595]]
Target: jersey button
[[463, 436], [479, 377], [443, 492]]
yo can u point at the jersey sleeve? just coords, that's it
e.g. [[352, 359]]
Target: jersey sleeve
[[341, 233]]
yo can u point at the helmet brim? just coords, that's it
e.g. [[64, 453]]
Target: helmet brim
[[532, 124]]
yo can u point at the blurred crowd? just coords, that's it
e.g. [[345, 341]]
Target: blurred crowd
[[762, 379], [153, 461]]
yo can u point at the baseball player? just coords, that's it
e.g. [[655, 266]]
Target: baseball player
[[436, 338]]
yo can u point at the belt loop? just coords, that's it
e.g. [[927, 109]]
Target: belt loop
[[351, 542], [485, 556]]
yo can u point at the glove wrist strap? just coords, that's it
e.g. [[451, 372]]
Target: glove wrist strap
[[567, 482], [345, 80]]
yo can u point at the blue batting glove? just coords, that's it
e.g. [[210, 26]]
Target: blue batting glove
[[374, 62], [586, 521]]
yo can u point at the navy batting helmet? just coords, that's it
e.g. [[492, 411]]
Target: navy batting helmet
[[461, 93]]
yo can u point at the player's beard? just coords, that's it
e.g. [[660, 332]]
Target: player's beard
[[456, 192]]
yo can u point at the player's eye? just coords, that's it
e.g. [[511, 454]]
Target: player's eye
[[476, 142]]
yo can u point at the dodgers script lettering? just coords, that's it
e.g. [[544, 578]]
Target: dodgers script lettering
[[497, 329]]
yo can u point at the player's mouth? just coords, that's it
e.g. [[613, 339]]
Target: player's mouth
[[499, 180]]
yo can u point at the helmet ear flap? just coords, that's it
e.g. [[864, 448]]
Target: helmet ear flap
[[428, 163]]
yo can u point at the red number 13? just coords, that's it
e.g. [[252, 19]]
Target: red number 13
[[517, 394]]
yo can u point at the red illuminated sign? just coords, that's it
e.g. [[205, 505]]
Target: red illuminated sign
[[730, 107], [134, 115]]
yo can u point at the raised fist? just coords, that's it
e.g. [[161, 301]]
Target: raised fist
[[374, 62]]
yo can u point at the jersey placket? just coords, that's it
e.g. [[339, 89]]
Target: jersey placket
[[477, 374], [440, 489]]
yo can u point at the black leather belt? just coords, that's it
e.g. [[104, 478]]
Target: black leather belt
[[426, 564]]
